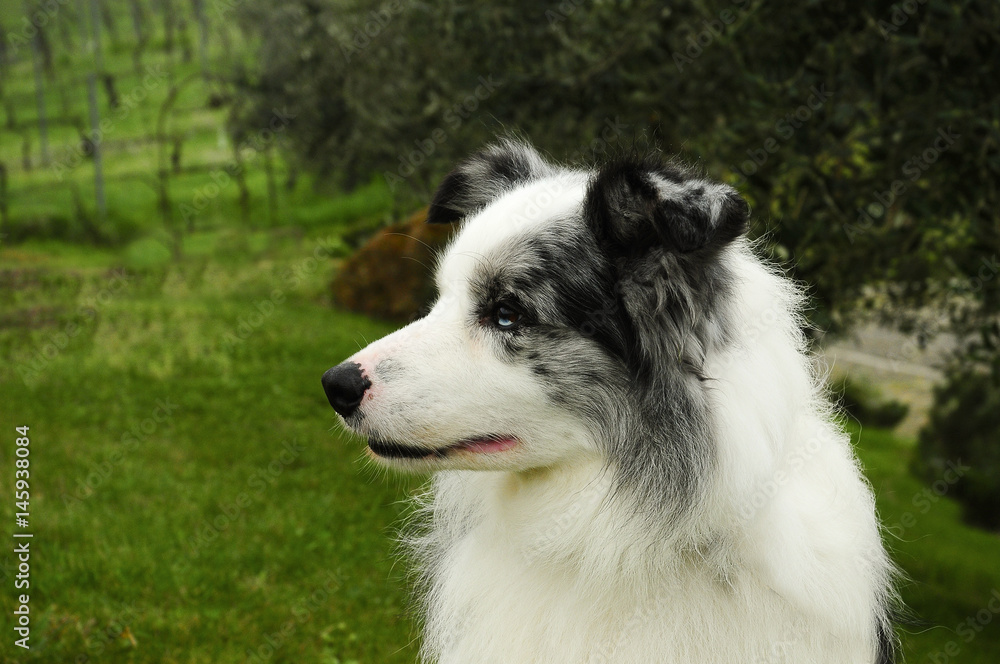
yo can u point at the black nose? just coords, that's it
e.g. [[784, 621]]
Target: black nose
[[345, 386]]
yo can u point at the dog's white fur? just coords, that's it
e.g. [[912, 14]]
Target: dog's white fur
[[531, 555]]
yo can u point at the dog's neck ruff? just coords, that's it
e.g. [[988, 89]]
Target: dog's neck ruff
[[679, 490], [780, 560]]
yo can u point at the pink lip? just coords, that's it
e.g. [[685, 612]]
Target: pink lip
[[486, 445]]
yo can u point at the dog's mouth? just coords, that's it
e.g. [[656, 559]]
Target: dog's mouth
[[492, 444]]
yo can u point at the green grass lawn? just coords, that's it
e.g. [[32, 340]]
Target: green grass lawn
[[953, 590], [187, 482], [191, 499]]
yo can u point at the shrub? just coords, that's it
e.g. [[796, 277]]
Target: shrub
[[964, 430], [863, 402]]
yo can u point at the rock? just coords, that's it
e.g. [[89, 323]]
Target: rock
[[392, 276]]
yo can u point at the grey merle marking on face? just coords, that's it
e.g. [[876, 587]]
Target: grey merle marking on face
[[481, 178], [634, 275]]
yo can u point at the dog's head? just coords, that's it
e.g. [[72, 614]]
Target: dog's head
[[575, 310]]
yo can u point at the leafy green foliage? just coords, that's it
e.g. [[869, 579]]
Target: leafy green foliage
[[865, 136], [863, 402], [943, 590], [964, 429]]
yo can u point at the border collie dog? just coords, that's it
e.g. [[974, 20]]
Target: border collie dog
[[634, 458]]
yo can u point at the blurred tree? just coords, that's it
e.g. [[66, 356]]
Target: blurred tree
[[865, 133], [959, 449], [139, 19], [5, 99]]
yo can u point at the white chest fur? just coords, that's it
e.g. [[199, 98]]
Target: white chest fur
[[547, 569]]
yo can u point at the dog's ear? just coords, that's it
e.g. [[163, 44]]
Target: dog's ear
[[635, 204], [483, 177]]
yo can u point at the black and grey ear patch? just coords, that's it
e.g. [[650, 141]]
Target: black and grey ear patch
[[635, 204], [483, 177]]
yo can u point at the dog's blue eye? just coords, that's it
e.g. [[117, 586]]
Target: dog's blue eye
[[506, 318]]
